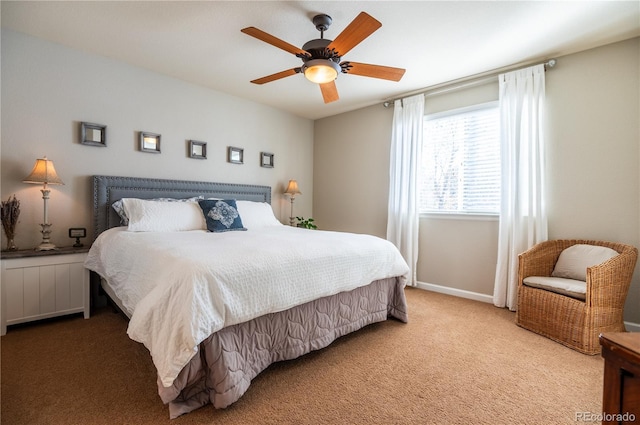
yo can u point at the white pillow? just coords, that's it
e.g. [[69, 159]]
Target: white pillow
[[124, 220], [573, 261], [157, 216], [256, 214]]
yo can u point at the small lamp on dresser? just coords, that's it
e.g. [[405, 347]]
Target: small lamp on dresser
[[292, 190], [44, 173]]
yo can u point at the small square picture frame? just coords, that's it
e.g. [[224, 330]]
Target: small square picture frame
[[197, 150], [92, 134], [149, 142], [266, 159], [235, 155]]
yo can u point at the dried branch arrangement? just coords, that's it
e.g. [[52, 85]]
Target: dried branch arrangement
[[10, 213]]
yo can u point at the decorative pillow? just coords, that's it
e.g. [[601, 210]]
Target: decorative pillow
[[124, 220], [118, 206], [573, 261], [160, 216], [221, 215], [256, 214]]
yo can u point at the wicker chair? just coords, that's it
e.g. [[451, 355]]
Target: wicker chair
[[569, 321]]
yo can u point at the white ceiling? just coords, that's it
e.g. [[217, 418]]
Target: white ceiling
[[435, 41]]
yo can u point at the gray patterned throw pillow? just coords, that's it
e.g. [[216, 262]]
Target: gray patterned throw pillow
[[221, 215]]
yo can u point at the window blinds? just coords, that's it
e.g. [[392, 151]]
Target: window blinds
[[460, 170]]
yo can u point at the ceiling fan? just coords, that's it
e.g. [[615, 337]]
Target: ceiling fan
[[321, 57]]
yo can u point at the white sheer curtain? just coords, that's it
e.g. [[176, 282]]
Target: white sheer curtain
[[523, 220], [406, 146]]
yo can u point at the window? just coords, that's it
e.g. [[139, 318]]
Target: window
[[460, 169]]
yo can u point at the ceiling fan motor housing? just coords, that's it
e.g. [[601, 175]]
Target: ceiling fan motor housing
[[317, 49]]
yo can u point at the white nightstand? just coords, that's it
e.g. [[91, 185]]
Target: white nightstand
[[42, 284]]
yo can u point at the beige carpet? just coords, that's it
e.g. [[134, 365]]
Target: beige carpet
[[456, 362]]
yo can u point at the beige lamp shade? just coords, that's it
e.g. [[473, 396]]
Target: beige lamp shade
[[43, 172], [292, 188]]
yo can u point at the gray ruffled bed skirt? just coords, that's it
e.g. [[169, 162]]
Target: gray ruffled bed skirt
[[229, 359]]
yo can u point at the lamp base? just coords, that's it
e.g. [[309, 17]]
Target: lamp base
[[46, 246]]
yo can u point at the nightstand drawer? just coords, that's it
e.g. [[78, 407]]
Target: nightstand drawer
[[43, 286]]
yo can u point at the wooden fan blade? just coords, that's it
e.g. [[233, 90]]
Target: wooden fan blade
[[375, 71], [274, 41], [360, 28], [276, 76], [329, 92]]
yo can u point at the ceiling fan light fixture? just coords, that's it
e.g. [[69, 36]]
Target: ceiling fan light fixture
[[321, 71]]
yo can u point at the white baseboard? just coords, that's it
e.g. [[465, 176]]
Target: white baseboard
[[631, 327], [456, 292]]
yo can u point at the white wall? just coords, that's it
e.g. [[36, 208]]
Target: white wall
[[593, 144], [594, 149], [351, 171], [48, 89]]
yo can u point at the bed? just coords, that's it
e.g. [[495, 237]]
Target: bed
[[217, 308]]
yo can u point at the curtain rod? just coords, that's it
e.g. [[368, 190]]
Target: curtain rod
[[469, 81]]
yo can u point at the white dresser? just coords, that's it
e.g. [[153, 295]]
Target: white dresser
[[43, 284]]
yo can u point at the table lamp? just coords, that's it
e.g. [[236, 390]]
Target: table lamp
[[292, 190], [44, 173]]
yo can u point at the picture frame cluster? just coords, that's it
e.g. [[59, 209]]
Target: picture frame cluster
[[92, 134]]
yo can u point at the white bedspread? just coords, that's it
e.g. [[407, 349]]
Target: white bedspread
[[183, 286]]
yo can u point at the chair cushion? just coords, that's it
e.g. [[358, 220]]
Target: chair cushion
[[573, 261], [569, 287]]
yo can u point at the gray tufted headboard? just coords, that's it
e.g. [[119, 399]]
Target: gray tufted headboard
[[108, 189]]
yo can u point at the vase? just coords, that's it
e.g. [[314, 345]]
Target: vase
[[11, 245]]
